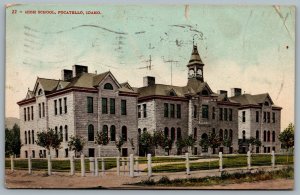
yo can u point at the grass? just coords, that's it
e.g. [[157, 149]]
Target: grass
[[225, 178]]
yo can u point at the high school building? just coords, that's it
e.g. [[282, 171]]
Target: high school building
[[83, 103]]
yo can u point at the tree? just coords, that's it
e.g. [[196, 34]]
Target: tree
[[101, 139], [227, 142], [213, 141], [190, 141], [180, 144], [204, 143], [131, 141], [119, 143], [167, 144], [48, 139], [158, 139], [146, 142], [12, 141], [76, 144], [286, 137], [253, 142]]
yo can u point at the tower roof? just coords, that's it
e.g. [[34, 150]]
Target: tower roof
[[195, 57]]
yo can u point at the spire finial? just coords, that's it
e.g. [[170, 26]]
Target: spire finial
[[194, 39]]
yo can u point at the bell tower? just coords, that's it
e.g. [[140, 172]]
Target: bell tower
[[195, 65]]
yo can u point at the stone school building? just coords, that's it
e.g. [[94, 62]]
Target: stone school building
[[82, 103]]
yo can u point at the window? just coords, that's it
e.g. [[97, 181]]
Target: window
[[273, 136], [213, 131], [56, 152], [178, 111], [139, 111], [265, 117], [40, 111], [90, 105], [265, 136], [178, 133], [104, 105], [269, 135], [257, 116], [195, 111], [268, 117], [273, 117], [112, 133], [172, 133], [204, 111], [112, 105], [213, 113], [43, 107], [124, 133], [195, 133], [29, 139], [144, 130], [65, 103], [230, 134], [32, 136], [123, 107], [108, 86], [145, 110], [166, 132], [226, 134], [172, 110], [40, 92], [91, 133], [66, 152], [230, 114], [25, 137], [221, 135], [244, 116], [24, 114], [220, 114], [66, 133], [257, 134], [26, 154], [56, 130], [166, 110], [28, 113], [32, 112], [55, 107], [225, 114], [33, 154], [60, 106], [244, 136], [266, 103], [139, 132], [105, 132], [61, 133]]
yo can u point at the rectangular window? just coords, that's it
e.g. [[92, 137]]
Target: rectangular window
[[28, 113], [65, 103], [40, 111], [123, 107], [220, 114], [139, 111], [268, 117], [104, 105], [213, 113], [204, 111], [178, 111], [225, 114], [145, 110], [195, 111], [90, 106], [257, 116], [24, 114], [43, 107], [32, 112], [273, 117], [265, 117], [244, 116], [55, 107], [166, 110], [112, 105], [172, 110], [230, 114], [60, 106]]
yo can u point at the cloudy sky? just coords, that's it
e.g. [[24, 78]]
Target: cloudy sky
[[249, 47]]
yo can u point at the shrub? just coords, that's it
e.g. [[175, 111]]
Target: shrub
[[164, 180]]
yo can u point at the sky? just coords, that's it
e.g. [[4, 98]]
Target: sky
[[250, 47]]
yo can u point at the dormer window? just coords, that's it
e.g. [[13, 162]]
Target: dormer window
[[172, 93], [108, 86], [40, 92], [267, 103], [59, 87], [204, 92]]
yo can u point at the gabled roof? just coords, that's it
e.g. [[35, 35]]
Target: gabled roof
[[126, 85], [195, 57], [82, 80], [197, 85], [62, 84], [98, 78], [248, 99], [161, 90], [47, 84]]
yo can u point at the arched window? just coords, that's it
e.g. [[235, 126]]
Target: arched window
[[204, 136], [257, 134], [221, 135], [273, 136], [29, 139], [166, 132], [91, 133], [178, 133], [108, 86], [213, 131], [266, 103], [204, 92], [244, 136], [144, 130], [61, 132], [32, 133], [226, 134], [40, 92], [172, 133], [25, 137], [195, 133], [56, 130], [105, 132], [112, 133], [230, 134], [66, 133], [269, 135], [265, 136], [124, 133], [139, 132]]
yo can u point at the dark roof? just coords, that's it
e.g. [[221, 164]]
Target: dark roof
[[48, 84], [248, 99], [160, 89], [82, 80], [98, 78], [195, 57]]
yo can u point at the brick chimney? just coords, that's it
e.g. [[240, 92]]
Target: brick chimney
[[66, 74], [222, 92], [148, 80], [79, 69], [236, 92]]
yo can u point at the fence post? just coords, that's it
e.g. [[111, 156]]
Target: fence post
[[149, 165], [92, 165], [187, 163], [49, 164], [131, 165], [137, 164], [12, 166], [103, 166], [29, 165], [220, 161], [123, 165], [82, 165], [118, 165], [72, 166], [96, 167], [249, 159], [273, 159]]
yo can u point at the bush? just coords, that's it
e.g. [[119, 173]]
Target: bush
[[148, 181], [164, 180], [225, 175]]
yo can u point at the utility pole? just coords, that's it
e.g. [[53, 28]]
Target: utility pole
[[171, 62]]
